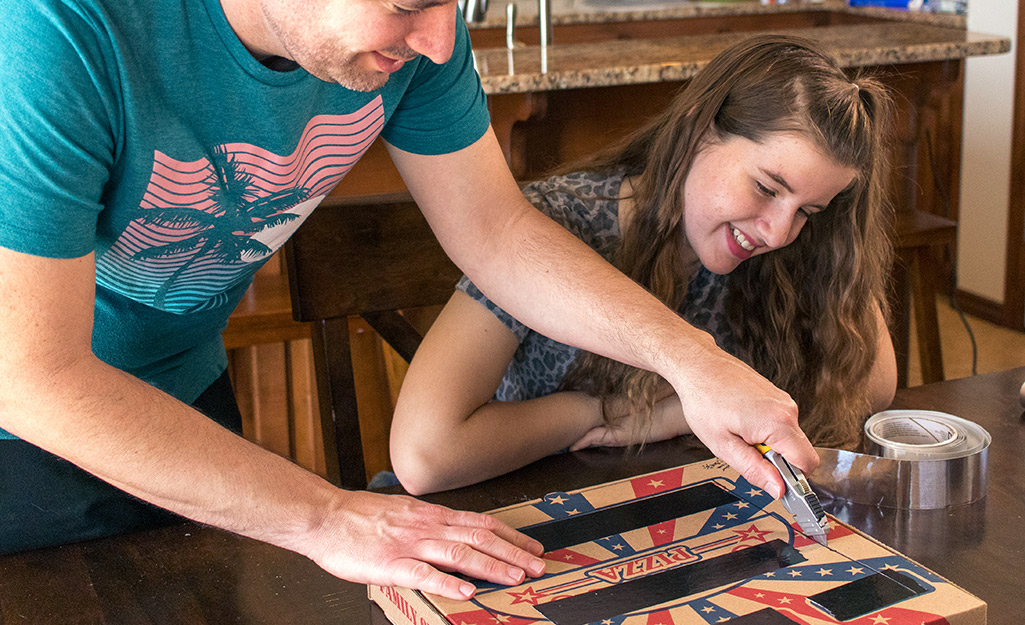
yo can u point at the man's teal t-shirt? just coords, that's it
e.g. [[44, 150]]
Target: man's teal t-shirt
[[145, 132]]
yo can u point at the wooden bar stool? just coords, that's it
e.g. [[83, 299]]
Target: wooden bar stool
[[918, 235], [368, 257], [264, 315]]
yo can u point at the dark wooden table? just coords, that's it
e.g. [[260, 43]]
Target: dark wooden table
[[193, 574]]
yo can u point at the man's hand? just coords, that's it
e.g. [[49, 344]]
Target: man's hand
[[730, 407], [59, 396], [393, 540]]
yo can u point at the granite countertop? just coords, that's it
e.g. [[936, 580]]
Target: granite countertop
[[905, 39], [601, 11]]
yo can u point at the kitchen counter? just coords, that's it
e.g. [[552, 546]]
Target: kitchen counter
[[600, 11], [610, 63], [615, 63], [597, 56]]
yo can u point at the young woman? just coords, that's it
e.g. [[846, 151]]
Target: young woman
[[754, 206]]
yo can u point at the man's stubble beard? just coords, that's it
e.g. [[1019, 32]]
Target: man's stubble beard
[[331, 64], [351, 76], [328, 61], [356, 79]]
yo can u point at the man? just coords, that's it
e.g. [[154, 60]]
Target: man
[[154, 155]]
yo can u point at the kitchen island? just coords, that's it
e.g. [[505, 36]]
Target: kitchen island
[[613, 65]]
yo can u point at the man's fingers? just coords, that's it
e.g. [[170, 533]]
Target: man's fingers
[[524, 542], [417, 574], [407, 542], [461, 519], [491, 551], [797, 450], [750, 463], [462, 558], [482, 553]]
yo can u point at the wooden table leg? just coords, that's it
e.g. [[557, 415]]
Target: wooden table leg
[[920, 236]]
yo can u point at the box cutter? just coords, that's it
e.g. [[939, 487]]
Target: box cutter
[[799, 498]]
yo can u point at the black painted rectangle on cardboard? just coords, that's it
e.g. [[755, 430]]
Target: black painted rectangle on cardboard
[[866, 595], [588, 526], [765, 616], [680, 582]]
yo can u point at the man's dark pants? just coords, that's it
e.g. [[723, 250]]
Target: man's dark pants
[[46, 500]]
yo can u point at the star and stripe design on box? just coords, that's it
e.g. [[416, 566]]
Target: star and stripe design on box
[[617, 554]]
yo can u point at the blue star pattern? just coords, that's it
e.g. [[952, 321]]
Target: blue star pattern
[[564, 505], [617, 545], [710, 611]]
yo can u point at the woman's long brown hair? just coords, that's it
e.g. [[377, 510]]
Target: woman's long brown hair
[[805, 314]]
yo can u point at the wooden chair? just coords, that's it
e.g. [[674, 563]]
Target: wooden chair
[[918, 236], [370, 257]]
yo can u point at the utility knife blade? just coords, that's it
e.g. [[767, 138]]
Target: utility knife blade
[[799, 499]]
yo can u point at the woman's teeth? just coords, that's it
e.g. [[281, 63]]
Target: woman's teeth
[[742, 240]]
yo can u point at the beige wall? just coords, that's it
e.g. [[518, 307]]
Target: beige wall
[[985, 166]]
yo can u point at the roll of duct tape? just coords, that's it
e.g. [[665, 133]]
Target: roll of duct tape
[[918, 460]]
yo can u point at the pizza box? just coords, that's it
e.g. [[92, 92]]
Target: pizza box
[[695, 544]]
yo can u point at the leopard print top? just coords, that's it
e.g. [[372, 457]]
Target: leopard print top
[[587, 205]]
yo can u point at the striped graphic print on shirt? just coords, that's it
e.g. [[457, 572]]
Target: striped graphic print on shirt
[[203, 226]]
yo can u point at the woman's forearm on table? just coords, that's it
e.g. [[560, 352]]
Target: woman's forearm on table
[[494, 439]]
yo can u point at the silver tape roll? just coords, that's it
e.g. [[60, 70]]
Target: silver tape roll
[[918, 460]]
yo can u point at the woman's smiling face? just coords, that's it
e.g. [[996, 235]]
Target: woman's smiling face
[[743, 198]]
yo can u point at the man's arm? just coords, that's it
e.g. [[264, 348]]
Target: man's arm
[[56, 394], [552, 282]]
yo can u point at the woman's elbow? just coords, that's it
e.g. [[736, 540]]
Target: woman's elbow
[[415, 476], [882, 386], [882, 379], [415, 463], [880, 399]]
